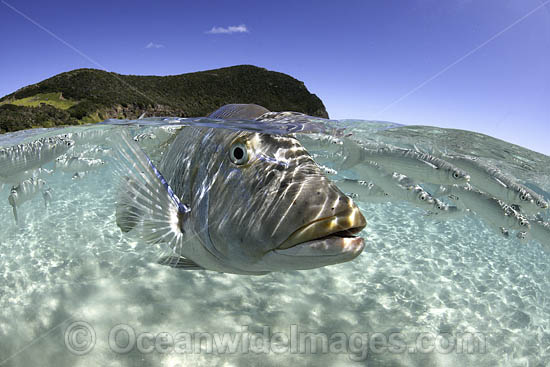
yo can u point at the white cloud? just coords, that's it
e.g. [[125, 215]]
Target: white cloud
[[229, 30], [154, 45]]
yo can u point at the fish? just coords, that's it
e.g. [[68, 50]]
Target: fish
[[398, 186], [522, 237], [365, 190], [495, 213], [241, 111], [27, 157], [238, 202], [92, 135], [532, 207], [96, 152], [19, 177], [421, 167], [145, 137], [154, 141], [328, 144], [47, 196], [445, 211], [77, 164], [24, 192], [492, 181]]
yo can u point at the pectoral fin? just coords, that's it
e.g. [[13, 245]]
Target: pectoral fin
[[179, 262], [145, 200]]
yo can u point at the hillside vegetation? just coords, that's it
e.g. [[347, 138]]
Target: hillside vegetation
[[90, 95]]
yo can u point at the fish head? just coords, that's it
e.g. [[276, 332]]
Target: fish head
[[421, 196], [525, 197], [452, 175], [523, 223], [60, 144], [541, 204], [441, 207], [270, 207]]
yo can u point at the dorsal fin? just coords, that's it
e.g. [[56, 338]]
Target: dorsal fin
[[238, 111]]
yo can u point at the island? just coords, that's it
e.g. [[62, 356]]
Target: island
[[89, 95]]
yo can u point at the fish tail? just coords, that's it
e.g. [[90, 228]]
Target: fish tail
[[47, 195], [14, 209]]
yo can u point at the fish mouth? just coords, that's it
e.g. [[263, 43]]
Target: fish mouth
[[341, 228]]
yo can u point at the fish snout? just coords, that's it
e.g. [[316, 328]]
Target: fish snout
[[343, 225]]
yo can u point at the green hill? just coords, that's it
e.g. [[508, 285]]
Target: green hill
[[90, 95]]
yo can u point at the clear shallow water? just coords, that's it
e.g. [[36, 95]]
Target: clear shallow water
[[446, 280]]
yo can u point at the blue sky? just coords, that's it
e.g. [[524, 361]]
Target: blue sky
[[424, 62]]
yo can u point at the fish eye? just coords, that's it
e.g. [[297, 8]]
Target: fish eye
[[423, 197], [238, 153], [524, 197], [456, 175]]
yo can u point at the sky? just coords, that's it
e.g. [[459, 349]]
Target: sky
[[480, 65]]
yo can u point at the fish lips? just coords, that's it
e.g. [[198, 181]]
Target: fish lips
[[315, 254], [326, 246], [345, 224], [324, 241]]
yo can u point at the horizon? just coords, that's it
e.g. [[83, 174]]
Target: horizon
[[478, 66]]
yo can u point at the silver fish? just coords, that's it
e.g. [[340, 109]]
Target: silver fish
[[155, 141], [492, 181], [24, 192], [47, 196], [399, 187], [522, 237], [326, 143], [145, 137], [237, 202], [27, 157], [367, 191], [96, 152], [532, 207], [93, 135], [445, 211], [492, 211], [421, 167], [18, 177], [77, 164]]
